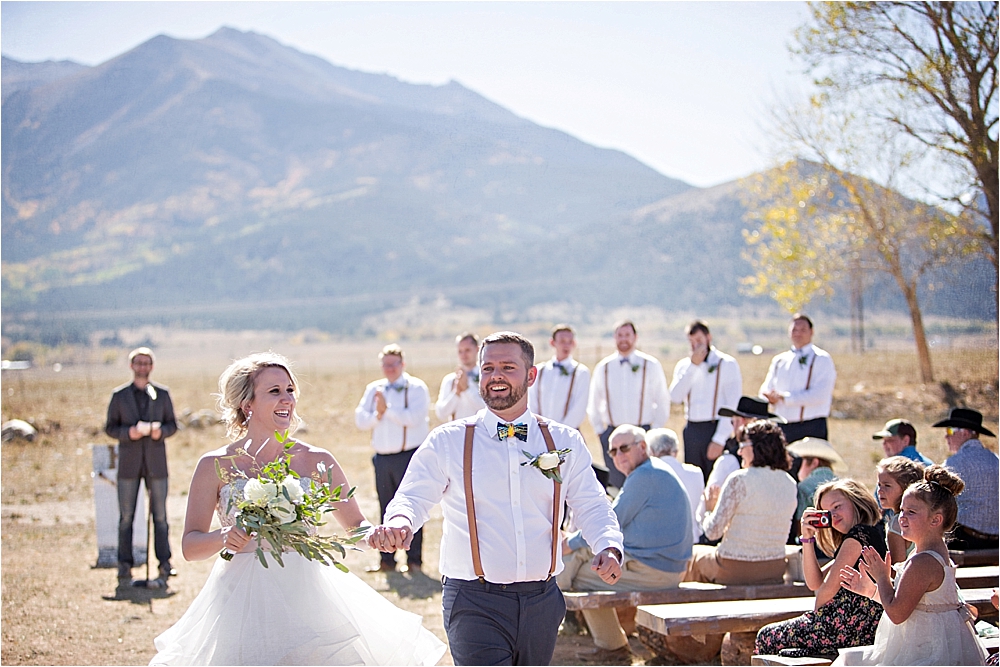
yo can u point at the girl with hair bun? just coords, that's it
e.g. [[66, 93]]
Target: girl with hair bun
[[925, 621]]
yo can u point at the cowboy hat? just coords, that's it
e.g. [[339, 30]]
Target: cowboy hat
[[750, 408], [965, 418], [817, 448]]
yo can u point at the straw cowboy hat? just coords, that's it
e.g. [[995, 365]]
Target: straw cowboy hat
[[817, 448]]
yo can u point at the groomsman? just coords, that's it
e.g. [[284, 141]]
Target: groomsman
[[459, 394], [704, 382], [501, 516], [395, 410], [799, 384], [627, 387], [560, 390]]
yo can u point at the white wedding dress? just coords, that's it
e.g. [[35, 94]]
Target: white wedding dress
[[304, 613]]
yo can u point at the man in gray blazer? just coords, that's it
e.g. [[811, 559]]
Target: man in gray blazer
[[140, 418]]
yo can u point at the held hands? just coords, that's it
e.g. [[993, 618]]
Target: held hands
[[142, 429], [857, 581], [380, 405], [461, 381], [806, 529], [873, 565], [396, 533], [607, 567], [234, 539], [699, 353]]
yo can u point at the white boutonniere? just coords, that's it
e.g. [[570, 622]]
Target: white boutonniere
[[547, 462]]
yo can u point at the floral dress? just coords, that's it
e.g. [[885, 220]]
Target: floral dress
[[846, 620]]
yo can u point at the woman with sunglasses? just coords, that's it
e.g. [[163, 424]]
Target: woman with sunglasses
[[752, 514]]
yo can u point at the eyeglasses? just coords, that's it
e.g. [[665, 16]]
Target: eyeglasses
[[623, 449]]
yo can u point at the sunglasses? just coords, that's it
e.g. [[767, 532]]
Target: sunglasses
[[951, 430], [745, 443], [623, 449]]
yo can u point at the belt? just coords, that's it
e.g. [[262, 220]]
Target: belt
[[490, 587], [972, 532]]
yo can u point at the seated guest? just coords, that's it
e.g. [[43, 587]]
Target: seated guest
[[748, 410], [752, 515], [899, 438], [820, 464], [895, 475], [662, 443], [979, 468], [655, 518], [841, 618]]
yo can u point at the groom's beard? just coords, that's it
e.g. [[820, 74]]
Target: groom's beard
[[495, 403]]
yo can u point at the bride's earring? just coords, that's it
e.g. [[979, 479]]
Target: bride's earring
[[249, 415]]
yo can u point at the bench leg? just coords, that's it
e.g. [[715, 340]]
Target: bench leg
[[685, 650], [626, 617], [738, 648]]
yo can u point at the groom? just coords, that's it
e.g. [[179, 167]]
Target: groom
[[499, 545]]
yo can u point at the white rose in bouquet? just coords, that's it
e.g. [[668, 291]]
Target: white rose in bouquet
[[258, 492], [282, 509], [293, 488], [548, 460]]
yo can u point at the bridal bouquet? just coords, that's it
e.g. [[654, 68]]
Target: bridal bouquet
[[275, 508]]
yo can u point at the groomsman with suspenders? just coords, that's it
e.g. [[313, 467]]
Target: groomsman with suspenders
[[627, 387], [799, 384], [704, 382], [560, 390], [501, 503], [459, 394], [395, 409]]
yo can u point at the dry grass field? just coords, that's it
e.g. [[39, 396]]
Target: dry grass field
[[58, 609]]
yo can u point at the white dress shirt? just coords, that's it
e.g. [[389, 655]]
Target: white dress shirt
[[789, 373], [694, 483], [704, 388], [405, 422], [513, 502], [624, 388], [451, 405], [553, 385]]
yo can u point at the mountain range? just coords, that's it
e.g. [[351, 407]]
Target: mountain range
[[233, 181]]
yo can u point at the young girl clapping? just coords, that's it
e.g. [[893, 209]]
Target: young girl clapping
[[925, 621]]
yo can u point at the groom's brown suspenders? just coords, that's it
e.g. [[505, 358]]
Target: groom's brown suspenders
[[470, 503]]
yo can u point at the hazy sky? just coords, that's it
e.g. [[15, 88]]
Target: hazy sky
[[678, 85]]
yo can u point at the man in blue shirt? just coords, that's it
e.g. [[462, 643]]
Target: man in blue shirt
[[979, 468], [655, 517], [899, 438]]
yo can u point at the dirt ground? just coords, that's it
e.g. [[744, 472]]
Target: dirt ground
[[58, 609]]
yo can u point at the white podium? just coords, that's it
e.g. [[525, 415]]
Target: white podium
[[105, 475]]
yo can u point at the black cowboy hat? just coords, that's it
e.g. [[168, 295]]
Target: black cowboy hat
[[965, 418], [751, 408]]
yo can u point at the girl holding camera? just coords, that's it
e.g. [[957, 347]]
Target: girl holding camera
[[848, 519]]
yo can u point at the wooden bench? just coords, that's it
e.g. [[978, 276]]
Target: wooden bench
[[740, 620], [983, 576], [689, 591], [976, 557], [991, 645]]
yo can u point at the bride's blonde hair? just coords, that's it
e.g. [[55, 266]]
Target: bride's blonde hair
[[237, 384]]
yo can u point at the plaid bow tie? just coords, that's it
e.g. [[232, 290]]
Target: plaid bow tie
[[519, 431]]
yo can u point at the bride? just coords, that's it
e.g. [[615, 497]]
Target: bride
[[304, 613]]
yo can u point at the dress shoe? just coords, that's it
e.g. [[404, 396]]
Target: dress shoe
[[167, 570], [381, 567]]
